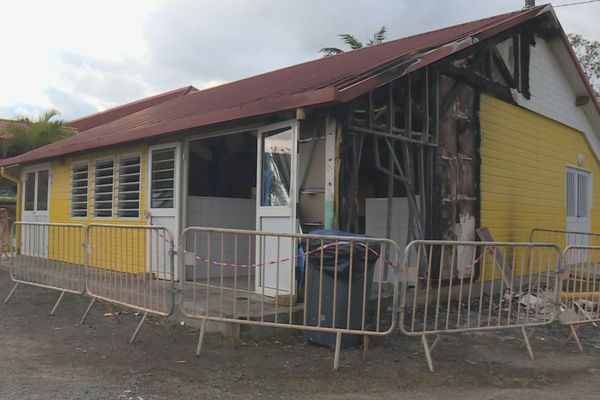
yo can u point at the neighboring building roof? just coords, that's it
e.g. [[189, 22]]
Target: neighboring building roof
[[323, 81], [106, 116], [4, 124]]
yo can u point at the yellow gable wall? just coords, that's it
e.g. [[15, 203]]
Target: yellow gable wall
[[112, 248], [524, 157]]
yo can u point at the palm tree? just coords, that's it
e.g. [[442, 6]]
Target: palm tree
[[379, 37], [28, 134]]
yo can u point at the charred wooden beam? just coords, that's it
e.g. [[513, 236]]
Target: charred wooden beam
[[504, 71], [475, 81]]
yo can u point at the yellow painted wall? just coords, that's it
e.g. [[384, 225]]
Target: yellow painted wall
[[524, 158], [112, 248]]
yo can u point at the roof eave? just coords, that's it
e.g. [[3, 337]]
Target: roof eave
[[416, 61], [328, 95]]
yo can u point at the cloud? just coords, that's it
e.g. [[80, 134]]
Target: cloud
[[190, 41], [150, 46], [70, 105], [20, 109], [103, 83]]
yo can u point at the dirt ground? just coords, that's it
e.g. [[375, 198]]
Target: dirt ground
[[43, 357]]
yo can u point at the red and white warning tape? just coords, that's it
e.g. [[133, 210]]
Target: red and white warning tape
[[283, 260]]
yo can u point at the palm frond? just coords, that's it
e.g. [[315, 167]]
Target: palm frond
[[379, 37], [48, 115], [28, 134], [330, 51], [351, 41]]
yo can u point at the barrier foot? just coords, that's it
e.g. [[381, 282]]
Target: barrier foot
[[427, 352], [137, 329], [529, 335], [87, 310], [365, 346], [165, 324], [435, 343], [57, 303], [527, 344], [11, 293], [576, 337], [338, 346], [201, 337]]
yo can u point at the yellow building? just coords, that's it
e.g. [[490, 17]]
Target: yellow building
[[493, 125]]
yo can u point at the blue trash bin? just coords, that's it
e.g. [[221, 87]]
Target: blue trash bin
[[346, 285]]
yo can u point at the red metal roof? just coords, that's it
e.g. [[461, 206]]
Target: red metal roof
[[106, 116], [4, 124], [325, 80]]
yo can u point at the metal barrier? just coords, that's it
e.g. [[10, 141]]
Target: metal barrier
[[132, 266], [47, 255], [580, 288], [333, 288], [564, 238], [257, 278], [478, 286]]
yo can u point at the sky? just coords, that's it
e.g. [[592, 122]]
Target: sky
[[83, 56]]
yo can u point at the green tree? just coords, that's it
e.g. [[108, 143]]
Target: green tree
[[588, 52], [351, 41], [28, 134]]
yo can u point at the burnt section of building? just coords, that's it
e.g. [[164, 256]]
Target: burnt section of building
[[415, 140], [388, 145]]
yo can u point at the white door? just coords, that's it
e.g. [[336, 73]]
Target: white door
[[578, 203], [35, 199], [163, 203], [277, 161]]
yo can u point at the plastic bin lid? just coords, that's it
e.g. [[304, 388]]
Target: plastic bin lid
[[334, 232]]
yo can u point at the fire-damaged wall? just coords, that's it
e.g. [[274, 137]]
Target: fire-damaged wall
[[311, 173], [456, 172]]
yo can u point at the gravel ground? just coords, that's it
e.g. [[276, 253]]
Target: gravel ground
[[43, 357]]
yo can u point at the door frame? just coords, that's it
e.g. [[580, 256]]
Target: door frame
[[288, 211], [161, 212], [278, 211], [175, 211], [36, 169], [589, 202]]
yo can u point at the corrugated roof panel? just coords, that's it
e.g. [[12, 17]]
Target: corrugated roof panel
[[310, 83], [112, 114]]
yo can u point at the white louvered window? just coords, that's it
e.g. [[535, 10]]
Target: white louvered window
[[103, 188], [128, 200], [79, 190], [578, 193], [163, 178]]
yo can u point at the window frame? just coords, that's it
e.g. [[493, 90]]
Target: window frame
[[87, 202], [578, 171], [35, 169], [112, 209], [176, 178], [118, 186]]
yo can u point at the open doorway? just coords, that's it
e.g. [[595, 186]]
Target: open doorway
[[221, 194]]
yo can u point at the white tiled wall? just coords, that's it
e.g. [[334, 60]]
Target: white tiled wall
[[218, 212], [376, 222]]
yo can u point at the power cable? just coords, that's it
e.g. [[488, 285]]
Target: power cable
[[576, 3]]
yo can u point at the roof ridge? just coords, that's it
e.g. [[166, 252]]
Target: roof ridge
[[184, 90], [311, 83], [366, 48]]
